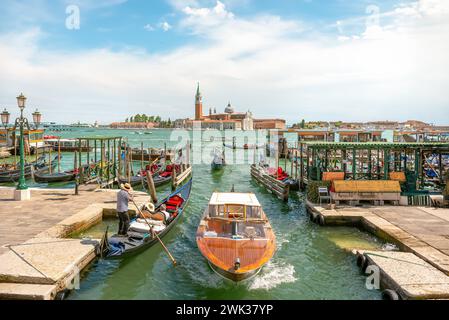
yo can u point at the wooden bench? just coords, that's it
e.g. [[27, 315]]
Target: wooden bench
[[377, 191]]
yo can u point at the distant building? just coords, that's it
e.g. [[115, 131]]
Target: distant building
[[229, 119], [133, 125]]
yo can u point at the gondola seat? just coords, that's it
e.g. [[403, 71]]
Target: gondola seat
[[176, 201]]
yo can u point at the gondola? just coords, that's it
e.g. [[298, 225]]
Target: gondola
[[140, 236], [46, 177], [218, 162], [244, 147], [235, 235], [14, 175], [160, 177]]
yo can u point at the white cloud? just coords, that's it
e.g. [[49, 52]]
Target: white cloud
[[263, 63], [148, 27], [165, 26]]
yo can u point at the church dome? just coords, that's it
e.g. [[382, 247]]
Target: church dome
[[229, 109]]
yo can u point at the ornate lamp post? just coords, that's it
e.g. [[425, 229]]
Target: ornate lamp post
[[5, 119], [22, 191]]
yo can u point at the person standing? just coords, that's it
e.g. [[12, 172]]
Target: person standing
[[123, 198]]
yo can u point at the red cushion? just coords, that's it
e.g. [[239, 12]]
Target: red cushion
[[169, 168], [175, 201], [172, 208], [165, 174]]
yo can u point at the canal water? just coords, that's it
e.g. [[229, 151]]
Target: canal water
[[311, 262]]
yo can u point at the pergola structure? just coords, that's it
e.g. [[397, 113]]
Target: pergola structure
[[374, 160]]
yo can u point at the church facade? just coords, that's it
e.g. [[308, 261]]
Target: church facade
[[229, 119]]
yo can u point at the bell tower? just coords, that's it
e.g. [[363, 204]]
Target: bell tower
[[198, 104]]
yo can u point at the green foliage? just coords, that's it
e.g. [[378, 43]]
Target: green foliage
[[312, 189]]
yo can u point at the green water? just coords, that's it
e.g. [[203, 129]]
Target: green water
[[311, 262]]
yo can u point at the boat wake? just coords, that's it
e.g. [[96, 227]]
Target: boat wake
[[272, 275]]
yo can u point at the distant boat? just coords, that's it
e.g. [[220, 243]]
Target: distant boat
[[235, 235], [218, 162], [148, 132]]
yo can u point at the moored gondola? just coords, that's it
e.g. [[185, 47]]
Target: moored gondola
[[140, 236], [39, 166]]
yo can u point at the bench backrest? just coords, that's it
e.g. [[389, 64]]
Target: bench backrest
[[367, 186]]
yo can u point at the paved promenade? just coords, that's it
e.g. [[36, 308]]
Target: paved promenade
[[423, 231], [21, 221]]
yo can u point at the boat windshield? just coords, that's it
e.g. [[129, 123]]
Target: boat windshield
[[234, 211]]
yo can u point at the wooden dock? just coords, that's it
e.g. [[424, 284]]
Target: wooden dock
[[38, 257], [418, 231]]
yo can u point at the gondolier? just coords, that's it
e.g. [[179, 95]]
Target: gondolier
[[123, 198]]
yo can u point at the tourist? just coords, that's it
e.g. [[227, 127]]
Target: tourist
[[123, 198]]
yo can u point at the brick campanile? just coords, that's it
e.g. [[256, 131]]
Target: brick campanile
[[198, 104]]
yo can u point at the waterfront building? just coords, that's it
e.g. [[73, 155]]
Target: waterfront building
[[133, 125], [229, 119]]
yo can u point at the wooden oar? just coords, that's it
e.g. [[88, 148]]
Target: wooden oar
[[155, 234]]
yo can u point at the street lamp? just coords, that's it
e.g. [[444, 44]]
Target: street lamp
[[5, 118], [22, 191], [37, 116]]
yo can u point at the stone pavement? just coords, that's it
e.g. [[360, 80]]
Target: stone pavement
[[423, 231], [21, 221]]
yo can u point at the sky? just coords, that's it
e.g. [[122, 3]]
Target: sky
[[104, 60]]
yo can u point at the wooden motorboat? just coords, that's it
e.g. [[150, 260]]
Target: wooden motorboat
[[235, 235], [140, 236]]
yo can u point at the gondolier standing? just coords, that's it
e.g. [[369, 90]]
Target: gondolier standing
[[123, 198]]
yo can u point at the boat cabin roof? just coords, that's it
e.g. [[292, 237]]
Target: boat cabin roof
[[247, 199]]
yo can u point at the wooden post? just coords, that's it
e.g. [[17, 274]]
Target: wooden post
[[130, 163], [141, 157], [173, 178], [386, 163], [37, 152], [49, 161], [370, 169], [119, 157], [109, 162], [354, 164], [114, 156], [59, 155], [88, 157], [80, 166], [101, 158]]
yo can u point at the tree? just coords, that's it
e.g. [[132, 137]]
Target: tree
[[131, 119], [303, 124], [126, 120]]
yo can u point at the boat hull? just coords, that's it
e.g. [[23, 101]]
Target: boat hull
[[236, 277], [217, 166], [147, 241]]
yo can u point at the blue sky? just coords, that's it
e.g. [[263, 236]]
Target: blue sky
[[294, 59]]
